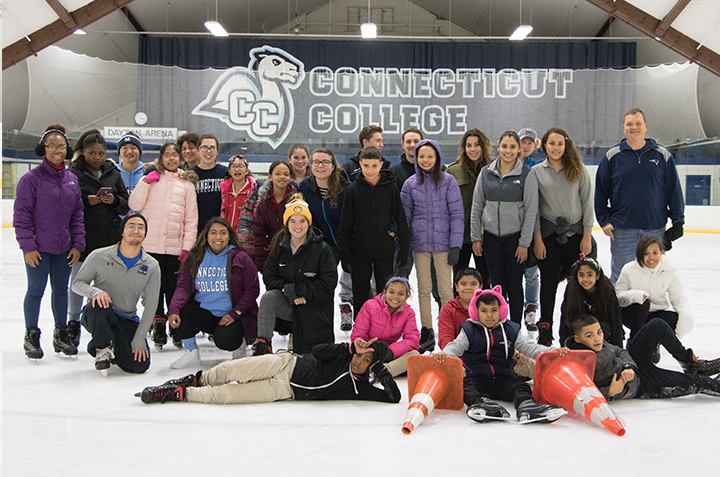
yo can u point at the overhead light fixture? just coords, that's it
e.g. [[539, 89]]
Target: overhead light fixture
[[79, 31], [368, 30], [521, 32], [215, 28]]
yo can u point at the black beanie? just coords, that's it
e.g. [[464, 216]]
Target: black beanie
[[132, 215], [130, 138]]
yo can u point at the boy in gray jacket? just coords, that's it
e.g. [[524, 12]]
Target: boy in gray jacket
[[120, 275]]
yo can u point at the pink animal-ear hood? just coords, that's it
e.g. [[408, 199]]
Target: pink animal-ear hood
[[497, 291]]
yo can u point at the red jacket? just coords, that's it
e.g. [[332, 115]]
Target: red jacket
[[451, 317], [232, 204]]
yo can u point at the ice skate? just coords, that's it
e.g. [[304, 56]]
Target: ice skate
[[702, 367], [487, 410], [531, 317], [159, 336], [427, 340], [261, 347], [162, 393], [189, 381], [176, 338], [73, 330], [103, 359], [346, 317], [62, 344], [188, 359], [31, 345], [545, 337], [531, 411]]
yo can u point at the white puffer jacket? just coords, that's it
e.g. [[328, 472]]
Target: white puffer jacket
[[170, 207], [662, 287]]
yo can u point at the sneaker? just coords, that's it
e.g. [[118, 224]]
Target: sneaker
[[73, 329], [487, 410], [176, 338], [427, 340], [62, 344], [346, 317], [103, 358], [31, 343], [261, 346], [189, 381], [531, 317], [163, 393], [530, 411], [545, 337], [188, 359], [701, 367], [159, 336], [241, 352]]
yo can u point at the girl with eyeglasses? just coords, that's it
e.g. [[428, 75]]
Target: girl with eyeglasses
[[48, 222]]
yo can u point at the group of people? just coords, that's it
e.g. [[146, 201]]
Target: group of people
[[188, 236]]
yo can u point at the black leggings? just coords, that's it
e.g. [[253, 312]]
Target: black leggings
[[636, 315], [194, 319], [169, 266]]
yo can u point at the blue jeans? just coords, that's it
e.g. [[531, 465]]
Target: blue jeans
[[532, 286], [75, 301], [623, 247], [56, 267]]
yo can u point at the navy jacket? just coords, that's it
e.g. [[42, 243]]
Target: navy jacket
[[326, 214], [491, 351]]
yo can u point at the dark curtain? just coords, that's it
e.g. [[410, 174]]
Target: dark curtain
[[199, 53]]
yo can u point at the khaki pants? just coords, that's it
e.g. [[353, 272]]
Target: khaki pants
[[399, 365], [248, 380], [443, 272]]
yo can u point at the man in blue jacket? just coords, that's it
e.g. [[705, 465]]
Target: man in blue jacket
[[639, 180]]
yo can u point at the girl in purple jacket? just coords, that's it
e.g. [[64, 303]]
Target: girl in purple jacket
[[216, 293], [389, 318], [48, 221], [436, 218]]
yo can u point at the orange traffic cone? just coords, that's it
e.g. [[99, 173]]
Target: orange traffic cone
[[565, 381], [432, 385]]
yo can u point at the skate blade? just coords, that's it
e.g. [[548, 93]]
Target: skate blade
[[482, 417], [551, 416], [61, 355], [158, 347], [34, 360], [104, 373], [138, 394]]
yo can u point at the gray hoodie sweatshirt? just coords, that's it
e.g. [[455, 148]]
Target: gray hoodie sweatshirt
[[108, 274]]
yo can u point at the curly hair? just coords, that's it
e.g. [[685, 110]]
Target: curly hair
[[571, 160], [485, 157]]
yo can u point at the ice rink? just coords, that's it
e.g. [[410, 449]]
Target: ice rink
[[62, 418]]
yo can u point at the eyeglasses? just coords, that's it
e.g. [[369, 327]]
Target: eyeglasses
[[133, 227], [54, 147], [322, 163], [238, 167], [208, 148], [171, 155]]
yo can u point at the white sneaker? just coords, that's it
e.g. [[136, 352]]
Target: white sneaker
[[241, 352], [188, 359]]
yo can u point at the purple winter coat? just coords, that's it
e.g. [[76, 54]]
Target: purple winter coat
[[434, 213], [48, 211], [244, 289]]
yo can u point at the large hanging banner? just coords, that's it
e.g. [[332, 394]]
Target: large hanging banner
[[269, 99]]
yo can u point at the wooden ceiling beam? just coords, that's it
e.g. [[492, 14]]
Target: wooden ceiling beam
[[673, 39], [62, 13], [56, 31], [670, 17]]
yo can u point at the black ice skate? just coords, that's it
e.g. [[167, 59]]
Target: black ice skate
[[702, 367], [346, 317], [530, 411], [189, 381], [103, 359], [31, 344], [159, 336], [427, 340], [486, 410], [62, 343], [162, 393], [545, 337], [73, 330]]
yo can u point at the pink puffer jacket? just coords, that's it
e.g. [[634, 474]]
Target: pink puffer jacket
[[374, 321], [170, 207]]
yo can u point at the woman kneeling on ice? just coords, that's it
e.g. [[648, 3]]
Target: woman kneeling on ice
[[331, 372]]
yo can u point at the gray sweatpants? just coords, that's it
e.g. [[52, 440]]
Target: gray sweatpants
[[245, 381], [273, 304]]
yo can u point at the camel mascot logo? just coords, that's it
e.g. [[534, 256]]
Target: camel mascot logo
[[257, 99]]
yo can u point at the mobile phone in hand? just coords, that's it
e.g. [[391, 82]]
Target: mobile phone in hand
[[104, 191]]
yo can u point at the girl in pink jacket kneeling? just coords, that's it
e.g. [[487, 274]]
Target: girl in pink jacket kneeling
[[389, 318]]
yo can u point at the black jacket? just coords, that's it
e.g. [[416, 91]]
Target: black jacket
[[102, 221], [352, 166], [369, 213], [310, 273], [611, 323], [325, 374], [403, 171]]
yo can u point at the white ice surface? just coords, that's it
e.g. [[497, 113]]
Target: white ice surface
[[62, 418]]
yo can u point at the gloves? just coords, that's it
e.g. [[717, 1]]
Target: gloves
[[380, 349], [184, 253], [403, 259], [154, 176], [453, 256], [345, 264], [673, 233]]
